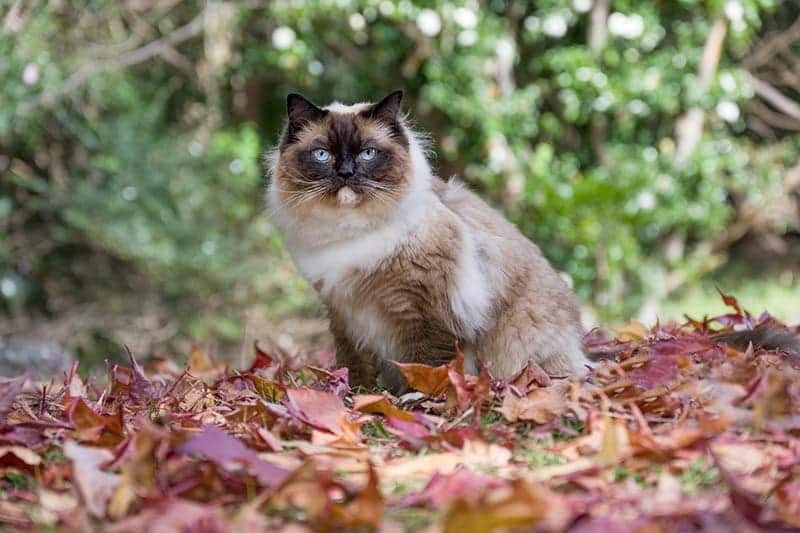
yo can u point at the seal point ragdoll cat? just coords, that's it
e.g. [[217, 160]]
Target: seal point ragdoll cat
[[410, 265]]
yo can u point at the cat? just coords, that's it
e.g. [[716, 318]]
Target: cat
[[409, 265]]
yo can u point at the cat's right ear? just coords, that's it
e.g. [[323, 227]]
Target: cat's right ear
[[302, 111]]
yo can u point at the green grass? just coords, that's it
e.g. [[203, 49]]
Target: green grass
[[413, 519], [376, 430], [698, 475], [536, 458], [780, 295]]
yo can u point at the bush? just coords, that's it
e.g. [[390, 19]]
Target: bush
[[130, 137]]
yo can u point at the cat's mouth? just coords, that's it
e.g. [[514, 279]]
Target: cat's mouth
[[347, 197]]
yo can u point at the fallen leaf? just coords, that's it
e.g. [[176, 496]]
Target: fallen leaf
[[325, 411], [173, 515], [430, 380], [379, 404], [614, 445], [19, 458], [9, 390], [225, 450], [541, 405], [262, 359], [103, 430], [522, 505], [632, 331], [56, 502], [365, 510], [201, 366], [95, 485], [462, 483]]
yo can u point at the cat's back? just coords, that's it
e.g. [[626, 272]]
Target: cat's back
[[512, 263], [491, 228]]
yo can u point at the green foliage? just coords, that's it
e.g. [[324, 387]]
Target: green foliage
[[130, 138], [19, 480], [698, 475]]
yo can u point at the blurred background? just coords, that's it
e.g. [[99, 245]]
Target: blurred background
[[651, 149]]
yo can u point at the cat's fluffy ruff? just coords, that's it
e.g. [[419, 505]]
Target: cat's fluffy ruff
[[406, 280]]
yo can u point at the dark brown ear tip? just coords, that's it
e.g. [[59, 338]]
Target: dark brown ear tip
[[293, 98]]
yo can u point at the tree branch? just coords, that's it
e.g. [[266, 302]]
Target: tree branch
[[774, 97], [596, 38], [48, 98], [689, 127], [774, 119], [598, 27], [773, 45]]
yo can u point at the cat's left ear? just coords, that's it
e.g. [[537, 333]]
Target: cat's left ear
[[387, 109]]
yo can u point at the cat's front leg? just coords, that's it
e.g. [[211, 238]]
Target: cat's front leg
[[362, 365]]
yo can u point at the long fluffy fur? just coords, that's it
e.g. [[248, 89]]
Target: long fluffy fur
[[407, 280]]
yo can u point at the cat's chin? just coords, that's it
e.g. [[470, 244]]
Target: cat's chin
[[347, 198]]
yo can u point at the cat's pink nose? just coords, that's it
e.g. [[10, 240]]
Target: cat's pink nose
[[347, 197]]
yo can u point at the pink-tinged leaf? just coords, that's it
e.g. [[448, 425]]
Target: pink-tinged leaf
[[94, 485], [217, 446], [656, 372], [73, 383], [339, 383], [604, 524], [319, 409], [9, 390], [442, 489], [21, 435], [730, 320], [414, 433], [788, 499], [668, 356], [224, 450], [463, 396], [141, 388], [173, 515], [130, 383], [531, 376]]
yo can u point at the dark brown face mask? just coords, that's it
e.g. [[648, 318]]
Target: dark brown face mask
[[364, 151]]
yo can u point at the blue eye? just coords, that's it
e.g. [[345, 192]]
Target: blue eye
[[368, 154], [321, 155]]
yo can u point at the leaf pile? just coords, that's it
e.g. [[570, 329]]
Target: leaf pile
[[679, 432]]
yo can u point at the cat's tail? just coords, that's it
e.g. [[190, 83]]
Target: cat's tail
[[769, 336]]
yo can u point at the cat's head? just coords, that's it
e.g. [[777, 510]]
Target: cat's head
[[343, 157]]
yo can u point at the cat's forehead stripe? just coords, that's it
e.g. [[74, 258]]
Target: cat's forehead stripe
[[338, 107]]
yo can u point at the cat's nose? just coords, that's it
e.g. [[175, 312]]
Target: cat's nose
[[347, 168]]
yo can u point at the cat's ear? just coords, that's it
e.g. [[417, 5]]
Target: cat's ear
[[302, 111], [387, 109]]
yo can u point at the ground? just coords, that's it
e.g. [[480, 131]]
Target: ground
[[675, 431]]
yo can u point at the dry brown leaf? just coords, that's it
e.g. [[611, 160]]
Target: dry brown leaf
[[377, 403], [541, 405], [95, 485]]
